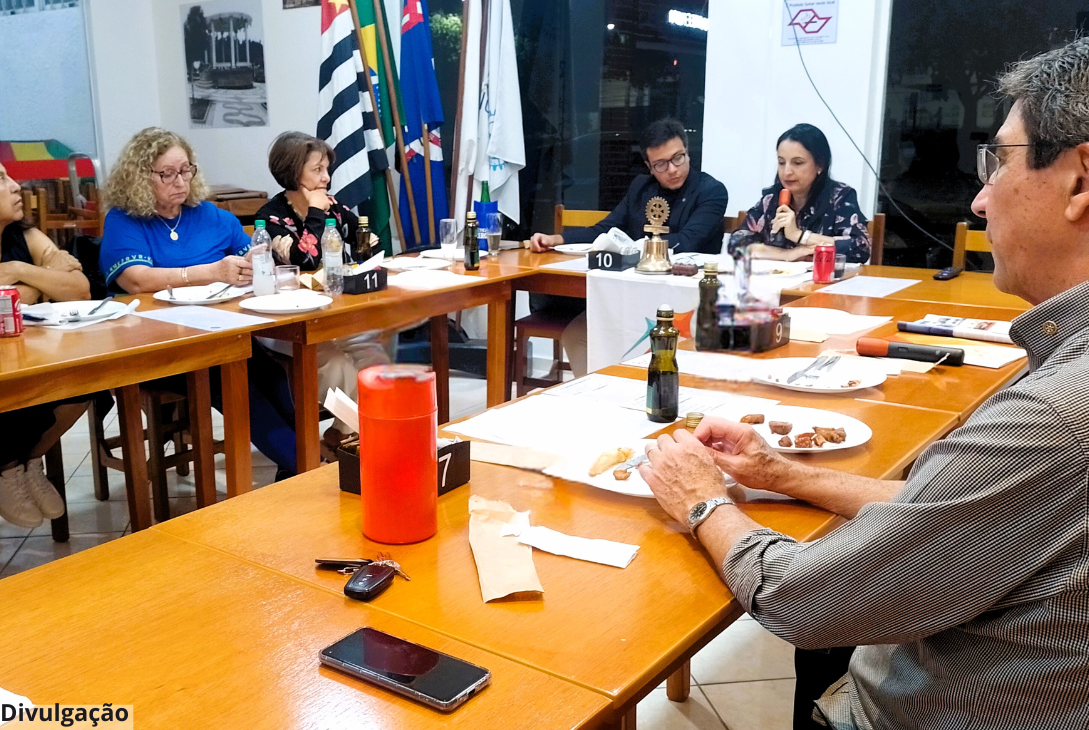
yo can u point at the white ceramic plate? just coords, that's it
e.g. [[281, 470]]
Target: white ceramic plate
[[803, 420], [836, 379], [293, 303], [62, 312], [574, 249], [415, 263], [200, 294], [575, 467]]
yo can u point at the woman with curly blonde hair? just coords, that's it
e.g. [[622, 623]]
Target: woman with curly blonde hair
[[160, 231]]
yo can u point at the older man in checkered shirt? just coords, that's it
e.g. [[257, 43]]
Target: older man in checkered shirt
[[966, 588]]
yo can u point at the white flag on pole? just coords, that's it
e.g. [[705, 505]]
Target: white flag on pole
[[492, 145]]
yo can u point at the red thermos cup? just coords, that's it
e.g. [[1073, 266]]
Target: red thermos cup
[[398, 430]]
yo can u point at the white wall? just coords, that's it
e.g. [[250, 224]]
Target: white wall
[[756, 89], [45, 83]]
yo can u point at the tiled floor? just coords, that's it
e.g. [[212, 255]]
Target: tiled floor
[[743, 680]]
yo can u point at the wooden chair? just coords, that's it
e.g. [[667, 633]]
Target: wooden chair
[[167, 421], [876, 227], [66, 217], [966, 240], [544, 324], [731, 224]]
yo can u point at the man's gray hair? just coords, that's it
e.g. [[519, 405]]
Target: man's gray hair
[[1053, 89]]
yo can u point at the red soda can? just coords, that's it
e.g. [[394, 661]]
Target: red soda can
[[824, 264], [11, 319]]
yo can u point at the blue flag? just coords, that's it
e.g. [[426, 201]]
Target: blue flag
[[420, 91]]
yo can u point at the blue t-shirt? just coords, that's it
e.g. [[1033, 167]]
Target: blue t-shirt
[[206, 234]]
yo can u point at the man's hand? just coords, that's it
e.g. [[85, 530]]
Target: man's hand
[[235, 270], [681, 473], [541, 242], [740, 452]]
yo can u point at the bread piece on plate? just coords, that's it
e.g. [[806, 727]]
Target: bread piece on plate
[[609, 459], [804, 440], [785, 442], [831, 435], [753, 418], [620, 474], [780, 428]]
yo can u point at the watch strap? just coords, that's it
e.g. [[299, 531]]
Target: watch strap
[[711, 505]]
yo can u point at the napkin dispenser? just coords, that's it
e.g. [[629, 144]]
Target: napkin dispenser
[[753, 331], [612, 260], [366, 282], [453, 468]]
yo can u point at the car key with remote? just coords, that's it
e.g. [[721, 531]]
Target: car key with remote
[[369, 581]]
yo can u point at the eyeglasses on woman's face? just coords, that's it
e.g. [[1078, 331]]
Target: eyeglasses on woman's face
[[989, 159], [168, 176], [676, 160]]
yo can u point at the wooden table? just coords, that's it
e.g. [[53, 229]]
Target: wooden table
[[971, 287], [619, 632], [46, 364], [193, 638], [957, 389]]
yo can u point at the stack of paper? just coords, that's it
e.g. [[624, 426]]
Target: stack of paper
[[869, 286], [209, 319], [711, 365], [831, 321], [632, 394], [428, 280]]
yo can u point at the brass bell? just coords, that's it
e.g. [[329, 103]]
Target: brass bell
[[655, 258]]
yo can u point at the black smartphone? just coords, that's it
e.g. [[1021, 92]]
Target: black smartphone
[[950, 272], [437, 680]]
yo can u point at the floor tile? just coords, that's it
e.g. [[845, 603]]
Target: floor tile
[[92, 517], [767, 705], [8, 546], [468, 396], [656, 712], [82, 488], [37, 551], [744, 652], [8, 530]]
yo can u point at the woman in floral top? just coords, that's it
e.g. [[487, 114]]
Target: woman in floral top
[[822, 211], [295, 219]]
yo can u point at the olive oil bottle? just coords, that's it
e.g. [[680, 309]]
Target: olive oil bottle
[[663, 376], [472, 246]]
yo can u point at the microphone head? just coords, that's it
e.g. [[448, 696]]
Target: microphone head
[[784, 197]]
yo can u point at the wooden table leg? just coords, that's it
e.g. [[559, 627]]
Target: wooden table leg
[[132, 450], [679, 684], [304, 386], [440, 363], [624, 722], [236, 427], [498, 351], [200, 430]]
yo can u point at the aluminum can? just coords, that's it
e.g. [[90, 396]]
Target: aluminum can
[[824, 264], [11, 319]]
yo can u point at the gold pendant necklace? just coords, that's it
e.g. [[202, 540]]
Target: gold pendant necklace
[[174, 230]]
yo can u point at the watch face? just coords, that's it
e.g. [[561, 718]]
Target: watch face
[[697, 512]]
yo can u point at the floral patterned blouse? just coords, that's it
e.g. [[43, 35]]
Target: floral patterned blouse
[[842, 221], [300, 239]]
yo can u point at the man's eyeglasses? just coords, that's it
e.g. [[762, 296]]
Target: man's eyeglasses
[[169, 176], [987, 162], [676, 160]]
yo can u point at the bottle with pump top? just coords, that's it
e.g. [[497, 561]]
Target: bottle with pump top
[[472, 250], [663, 374], [780, 236], [362, 249], [708, 332]]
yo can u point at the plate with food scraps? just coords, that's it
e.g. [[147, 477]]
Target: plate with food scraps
[[842, 376], [214, 293], [415, 263], [573, 249], [799, 430], [612, 469], [287, 302], [767, 267]]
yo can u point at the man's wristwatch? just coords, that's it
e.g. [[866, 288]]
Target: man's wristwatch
[[701, 511]]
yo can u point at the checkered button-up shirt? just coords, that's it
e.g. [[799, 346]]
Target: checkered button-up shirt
[[968, 593]]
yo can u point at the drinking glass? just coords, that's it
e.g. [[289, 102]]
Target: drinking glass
[[840, 266], [448, 237], [494, 230], [287, 278]]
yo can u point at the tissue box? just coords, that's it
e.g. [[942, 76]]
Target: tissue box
[[452, 473], [366, 282], [611, 261]]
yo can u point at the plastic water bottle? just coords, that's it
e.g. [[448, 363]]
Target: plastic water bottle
[[264, 279], [332, 258]]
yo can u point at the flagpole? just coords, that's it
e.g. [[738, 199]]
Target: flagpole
[[460, 111], [485, 9], [395, 209], [380, 17], [427, 179]]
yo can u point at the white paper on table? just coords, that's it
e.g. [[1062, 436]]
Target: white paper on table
[[582, 263], [369, 265], [518, 457], [209, 319], [991, 356], [558, 425], [340, 405], [41, 310], [606, 552], [800, 334], [891, 365], [10, 698], [869, 286], [832, 321], [425, 279], [458, 254], [632, 394], [711, 365]]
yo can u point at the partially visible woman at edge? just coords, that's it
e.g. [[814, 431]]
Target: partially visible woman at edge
[[295, 218], [161, 232], [31, 263], [822, 211]]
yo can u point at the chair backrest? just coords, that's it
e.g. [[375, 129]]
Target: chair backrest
[[731, 224], [577, 218], [248, 230], [966, 240], [876, 227]]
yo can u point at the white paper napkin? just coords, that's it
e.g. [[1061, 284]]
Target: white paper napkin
[[606, 552], [53, 316]]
